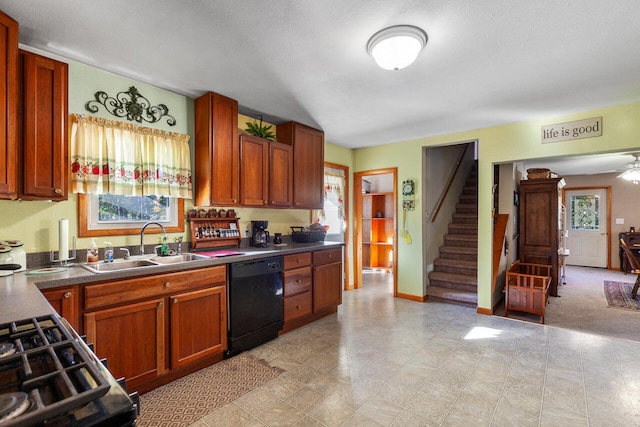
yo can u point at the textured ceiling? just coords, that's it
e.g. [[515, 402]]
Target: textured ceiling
[[486, 63]]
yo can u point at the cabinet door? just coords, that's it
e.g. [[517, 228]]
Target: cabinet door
[[280, 174], [254, 171], [65, 302], [198, 325], [308, 163], [327, 286], [217, 163], [132, 339], [8, 107], [44, 133]]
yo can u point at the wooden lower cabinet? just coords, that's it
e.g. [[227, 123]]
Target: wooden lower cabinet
[[65, 302], [312, 286], [206, 308], [131, 338], [155, 329], [327, 290]]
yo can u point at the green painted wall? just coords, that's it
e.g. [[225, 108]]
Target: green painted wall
[[497, 144], [36, 223]]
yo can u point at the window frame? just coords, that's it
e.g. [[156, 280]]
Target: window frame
[[83, 221]]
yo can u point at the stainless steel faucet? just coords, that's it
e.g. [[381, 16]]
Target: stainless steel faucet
[[164, 234]]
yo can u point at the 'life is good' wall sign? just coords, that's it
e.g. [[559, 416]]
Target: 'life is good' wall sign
[[587, 128]]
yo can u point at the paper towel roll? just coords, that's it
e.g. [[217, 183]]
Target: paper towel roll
[[63, 239]]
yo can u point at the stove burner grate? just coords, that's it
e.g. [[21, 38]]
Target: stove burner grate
[[50, 368], [13, 405], [7, 349]]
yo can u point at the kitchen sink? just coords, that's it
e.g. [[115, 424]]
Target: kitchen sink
[[132, 264], [117, 265], [175, 259]]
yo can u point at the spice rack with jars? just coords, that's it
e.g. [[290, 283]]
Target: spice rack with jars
[[214, 232]]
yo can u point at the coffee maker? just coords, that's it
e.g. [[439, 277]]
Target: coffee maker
[[259, 234]]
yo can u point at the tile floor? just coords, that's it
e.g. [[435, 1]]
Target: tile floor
[[383, 361]]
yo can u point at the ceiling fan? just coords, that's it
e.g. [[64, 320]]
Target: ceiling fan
[[632, 170]]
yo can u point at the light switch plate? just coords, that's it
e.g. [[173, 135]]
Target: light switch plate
[[619, 220]]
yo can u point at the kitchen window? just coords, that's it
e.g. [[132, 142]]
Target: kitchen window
[[126, 175], [114, 215]]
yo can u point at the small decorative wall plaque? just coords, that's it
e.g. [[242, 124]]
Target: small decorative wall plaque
[[132, 105], [579, 129]]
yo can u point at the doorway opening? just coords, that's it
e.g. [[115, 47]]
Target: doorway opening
[[335, 209], [375, 234]]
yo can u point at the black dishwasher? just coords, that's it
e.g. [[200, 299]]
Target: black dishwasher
[[255, 303]]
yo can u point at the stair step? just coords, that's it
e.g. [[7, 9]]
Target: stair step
[[453, 280], [452, 296], [469, 198], [456, 266], [465, 218], [461, 240], [468, 189], [466, 208], [463, 228], [459, 252]]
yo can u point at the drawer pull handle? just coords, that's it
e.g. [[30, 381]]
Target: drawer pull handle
[[298, 260], [175, 300], [298, 281], [67, 295], [160, 304], [298, 307], [167, 284], [58, 191], [330, 256]]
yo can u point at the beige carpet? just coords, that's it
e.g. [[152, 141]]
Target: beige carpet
[[582, 306], [190, 398]]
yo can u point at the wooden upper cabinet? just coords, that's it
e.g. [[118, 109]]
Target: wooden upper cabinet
[[308, 163], [8, 107], [254, 171], [217, 173], [280, 175], [266, 177], [44, 135]]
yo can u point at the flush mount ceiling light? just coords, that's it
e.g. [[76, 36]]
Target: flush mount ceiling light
[[396, 47], [633, 171]]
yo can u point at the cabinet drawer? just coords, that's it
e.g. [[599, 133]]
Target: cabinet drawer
[[124, 291], [297, 281], [297, 260], [327, 257], [297, 306]]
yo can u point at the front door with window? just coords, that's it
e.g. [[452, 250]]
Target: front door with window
[[587, 227]]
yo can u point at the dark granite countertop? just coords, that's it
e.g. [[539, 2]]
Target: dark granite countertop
[[20, 297]]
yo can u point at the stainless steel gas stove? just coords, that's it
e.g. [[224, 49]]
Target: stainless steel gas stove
[[49, 376]]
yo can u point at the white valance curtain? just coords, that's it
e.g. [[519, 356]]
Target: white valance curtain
[[113, 157]]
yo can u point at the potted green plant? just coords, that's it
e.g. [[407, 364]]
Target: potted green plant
[[260, 130]]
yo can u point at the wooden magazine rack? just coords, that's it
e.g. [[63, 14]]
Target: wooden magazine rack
[[527, 288]]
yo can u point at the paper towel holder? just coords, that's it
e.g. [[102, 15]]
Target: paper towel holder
[[64, 262]]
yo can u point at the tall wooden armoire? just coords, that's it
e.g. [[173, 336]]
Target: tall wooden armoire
[[539, 210]]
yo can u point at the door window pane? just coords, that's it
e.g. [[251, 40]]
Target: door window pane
[[585, 212]]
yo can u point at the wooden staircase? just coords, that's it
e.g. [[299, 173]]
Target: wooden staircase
[[454, 278]]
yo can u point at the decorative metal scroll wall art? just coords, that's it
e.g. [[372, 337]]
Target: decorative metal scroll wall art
[[132, 105]]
